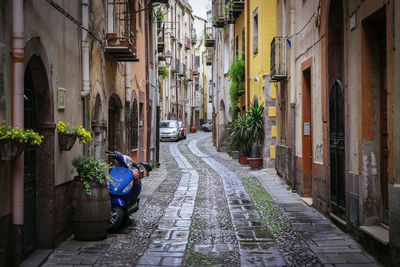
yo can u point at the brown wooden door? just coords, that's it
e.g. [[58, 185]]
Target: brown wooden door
[[384, 150], [307, 133], [336, 148]]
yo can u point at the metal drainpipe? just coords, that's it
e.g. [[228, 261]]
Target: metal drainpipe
[[85, 68], [18, 108], [293, 143]]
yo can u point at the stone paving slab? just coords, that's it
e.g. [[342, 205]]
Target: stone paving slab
[[332, 246], [169, 241], [264, 253]]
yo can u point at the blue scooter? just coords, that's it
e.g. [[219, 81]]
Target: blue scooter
[[124, 188]]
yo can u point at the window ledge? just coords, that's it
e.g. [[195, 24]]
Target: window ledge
[[378, 232]]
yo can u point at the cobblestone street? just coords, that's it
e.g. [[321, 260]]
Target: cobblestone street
[[202, 208]]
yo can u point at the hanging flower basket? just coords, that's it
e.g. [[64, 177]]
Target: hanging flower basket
[[11, 149], [66, 141]]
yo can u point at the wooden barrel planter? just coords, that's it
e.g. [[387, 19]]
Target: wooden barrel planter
[[91, 213]]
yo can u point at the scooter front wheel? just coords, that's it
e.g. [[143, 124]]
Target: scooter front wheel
[[116, 218]]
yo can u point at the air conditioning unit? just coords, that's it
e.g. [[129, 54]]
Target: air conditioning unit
[[278, 59]]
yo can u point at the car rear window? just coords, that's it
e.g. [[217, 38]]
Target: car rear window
[[168, 124]]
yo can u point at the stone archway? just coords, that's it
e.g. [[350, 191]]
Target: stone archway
[[39, 192], [335, 48], [99, 128], [115, 132]]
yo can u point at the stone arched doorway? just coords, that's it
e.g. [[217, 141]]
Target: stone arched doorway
[[39, 189], [335, 50], [114, 124]]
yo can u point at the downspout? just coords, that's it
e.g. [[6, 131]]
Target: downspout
[[85, 68], [292, 97], [127, 105], [18, 108]]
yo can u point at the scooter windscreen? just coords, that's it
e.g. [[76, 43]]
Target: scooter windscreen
[[122, 177]]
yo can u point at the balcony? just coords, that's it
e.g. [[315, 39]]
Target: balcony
[[237, 7], [278, 59], [160, 44], [187, 43], [121, 44], [175, 68], [218, 13], [209, 40], [209, 57]]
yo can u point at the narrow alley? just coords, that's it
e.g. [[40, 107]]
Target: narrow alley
[[201, 208]]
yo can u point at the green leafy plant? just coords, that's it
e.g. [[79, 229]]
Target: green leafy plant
[[163, 72], [91, 170], [240, 136], [160, 15], [237, 76], [228, 11], [83, 135], [20, 135], [207, 35], [256, 122]]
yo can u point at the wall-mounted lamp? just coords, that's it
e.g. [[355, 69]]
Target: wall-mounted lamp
[[168, 58]]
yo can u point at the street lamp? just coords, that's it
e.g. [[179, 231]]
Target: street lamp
[[168, 57]]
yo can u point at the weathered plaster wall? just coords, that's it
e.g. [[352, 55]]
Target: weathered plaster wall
[[61, 42]]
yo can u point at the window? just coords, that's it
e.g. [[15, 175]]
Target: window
[[226, 57], [255, 32], [243, 40], [134, 125], [237, 47]]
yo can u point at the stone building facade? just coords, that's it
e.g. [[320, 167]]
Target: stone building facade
[[79, 71], [335, 114]]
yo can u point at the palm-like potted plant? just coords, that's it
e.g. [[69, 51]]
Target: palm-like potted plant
[[243, 137], [90, 199], [256, 132]]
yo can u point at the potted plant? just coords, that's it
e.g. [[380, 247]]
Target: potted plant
[[243, 136], [256, 133], [160, 18], [90, 199], [13, 141], [67, 135], [234, 138], [111, 38]]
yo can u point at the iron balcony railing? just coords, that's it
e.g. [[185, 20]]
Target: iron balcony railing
[[121, 43], [278, 59]]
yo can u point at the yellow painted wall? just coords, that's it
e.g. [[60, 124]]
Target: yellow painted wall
[[260, 62]]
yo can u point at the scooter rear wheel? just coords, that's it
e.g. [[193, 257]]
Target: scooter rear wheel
[[116, 218]]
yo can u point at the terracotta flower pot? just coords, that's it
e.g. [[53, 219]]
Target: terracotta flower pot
[[255, 163], [11, 149], [111, 38], [243, 160], [66, 141]]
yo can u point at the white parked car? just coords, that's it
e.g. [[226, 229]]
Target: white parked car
[[169, 130]]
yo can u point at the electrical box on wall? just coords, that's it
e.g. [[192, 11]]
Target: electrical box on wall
[[61, 98]]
